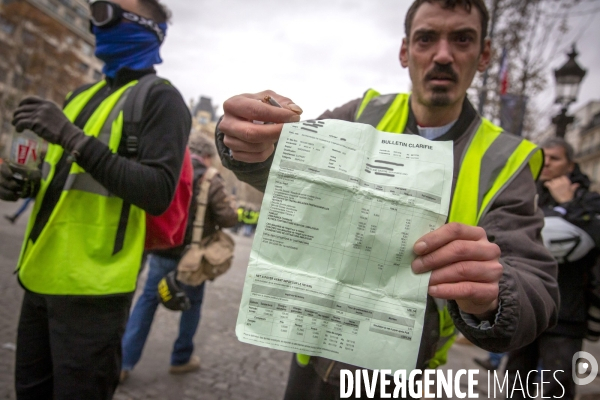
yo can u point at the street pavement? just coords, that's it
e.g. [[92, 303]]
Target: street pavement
[[230, 370]]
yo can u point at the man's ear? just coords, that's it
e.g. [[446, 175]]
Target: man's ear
[[486, 55], [404, 53]]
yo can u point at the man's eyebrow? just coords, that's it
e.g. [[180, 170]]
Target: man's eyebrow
[[425, 31], [464, 30]]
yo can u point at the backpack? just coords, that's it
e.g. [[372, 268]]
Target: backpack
[[168, 229], [205, 258]]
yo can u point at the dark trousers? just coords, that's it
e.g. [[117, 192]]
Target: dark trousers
[[548, 352], [69, 347], [305, 384]]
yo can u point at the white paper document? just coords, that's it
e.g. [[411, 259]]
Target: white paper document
[[329, 272]]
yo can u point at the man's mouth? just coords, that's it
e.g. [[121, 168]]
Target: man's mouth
[[441, 79]]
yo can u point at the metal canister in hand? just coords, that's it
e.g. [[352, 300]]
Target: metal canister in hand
[[25, 155]]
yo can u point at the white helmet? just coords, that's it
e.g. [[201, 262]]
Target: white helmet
[[566, 242]]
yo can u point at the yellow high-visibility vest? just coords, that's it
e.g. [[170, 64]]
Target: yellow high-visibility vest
[[92, 244]]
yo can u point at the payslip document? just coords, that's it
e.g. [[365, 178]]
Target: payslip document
[[329, 272]]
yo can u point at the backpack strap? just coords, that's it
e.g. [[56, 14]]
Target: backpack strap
[[134, 109], [71, 95], [202, 202]]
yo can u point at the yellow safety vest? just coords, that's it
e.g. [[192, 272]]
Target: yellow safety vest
[[92, 244], [490, 162]]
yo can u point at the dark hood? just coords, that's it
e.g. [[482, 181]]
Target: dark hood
[[579, 177], [546, 200]]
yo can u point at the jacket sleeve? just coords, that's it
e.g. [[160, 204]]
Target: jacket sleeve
[[529, 297], [219, 204], [165, 127], [257, 174]]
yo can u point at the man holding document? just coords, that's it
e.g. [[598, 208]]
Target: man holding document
[[491, 276]]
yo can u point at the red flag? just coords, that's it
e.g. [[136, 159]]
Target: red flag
[[504, 72]]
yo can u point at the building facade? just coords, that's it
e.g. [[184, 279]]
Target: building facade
[[588, 154], [46, 49]]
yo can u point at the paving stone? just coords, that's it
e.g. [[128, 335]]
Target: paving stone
[[230, 370]]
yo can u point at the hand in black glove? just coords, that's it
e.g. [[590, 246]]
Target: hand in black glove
[[49, 122], [18, 183]]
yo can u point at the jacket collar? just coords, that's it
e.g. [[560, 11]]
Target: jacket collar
[[126, 75], [466, 117]]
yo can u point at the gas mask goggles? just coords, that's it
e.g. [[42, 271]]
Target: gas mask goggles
[[104, 14]]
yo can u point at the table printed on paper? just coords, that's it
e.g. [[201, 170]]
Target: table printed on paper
[[329, 272]]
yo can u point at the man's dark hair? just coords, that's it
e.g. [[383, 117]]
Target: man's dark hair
[[560, 142], [159, 12], [450, 5]]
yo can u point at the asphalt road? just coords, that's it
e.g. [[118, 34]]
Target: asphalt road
[[230, 370]]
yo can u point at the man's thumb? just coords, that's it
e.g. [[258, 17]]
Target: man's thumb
[[295, 108]]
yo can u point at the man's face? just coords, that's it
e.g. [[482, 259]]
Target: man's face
[[556, 163], [443, 53]]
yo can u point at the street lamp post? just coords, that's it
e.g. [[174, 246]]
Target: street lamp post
[[568, 78]]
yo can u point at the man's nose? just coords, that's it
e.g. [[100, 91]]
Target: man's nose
[[443, 54]]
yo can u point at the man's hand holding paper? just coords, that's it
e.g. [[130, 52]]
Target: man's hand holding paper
[[464, 267], [250, 142]]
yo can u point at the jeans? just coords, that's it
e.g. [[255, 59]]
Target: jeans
[[304, 383], [23, 207], [550, 352], [142, 315], [496, 358], [69, 347]]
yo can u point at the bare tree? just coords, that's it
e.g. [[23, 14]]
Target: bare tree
[[533, 33]]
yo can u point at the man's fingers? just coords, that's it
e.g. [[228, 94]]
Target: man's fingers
[[25, 110], [286, 103], [467, 271], [251, 108], [249, 132], [22, 124], [474, 292], [5, 171], [31, 100], [446, 234], [455, 252], [8, 195], [240, 146], [252, 157]]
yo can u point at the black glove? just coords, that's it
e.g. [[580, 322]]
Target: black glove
[[49, 122], [18, 183]]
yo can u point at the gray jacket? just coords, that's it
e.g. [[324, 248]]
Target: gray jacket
[[528, 290]]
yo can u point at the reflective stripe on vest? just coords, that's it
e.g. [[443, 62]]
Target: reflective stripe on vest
[[492, 158], [92, 243]]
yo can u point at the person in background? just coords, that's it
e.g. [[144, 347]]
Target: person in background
[[83, 247], [572, 234], [219, 214], [240, 221], [13, 218], [491, 363]]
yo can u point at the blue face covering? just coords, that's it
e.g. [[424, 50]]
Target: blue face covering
[[127, 45]]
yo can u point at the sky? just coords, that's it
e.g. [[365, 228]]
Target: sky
[[320, 54]]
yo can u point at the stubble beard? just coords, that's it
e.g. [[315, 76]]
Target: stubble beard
[[440, 98]]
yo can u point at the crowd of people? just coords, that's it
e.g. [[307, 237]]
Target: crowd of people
[[494, 277]]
